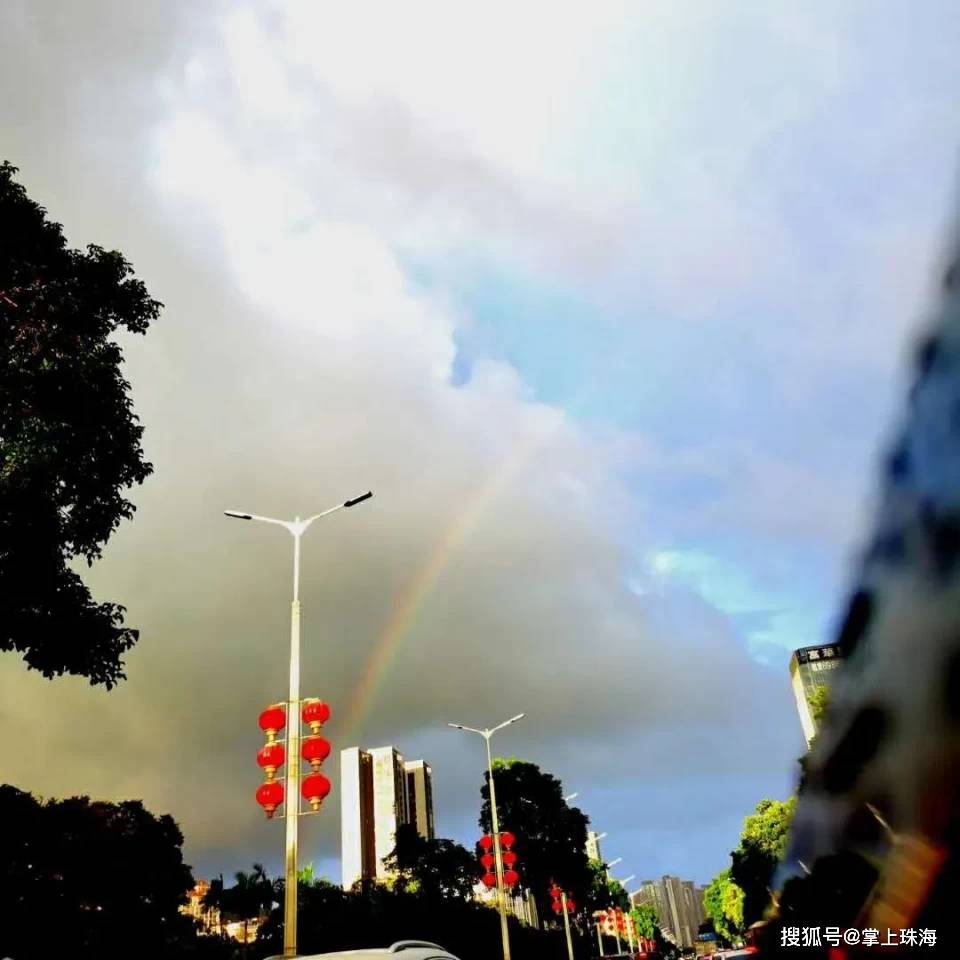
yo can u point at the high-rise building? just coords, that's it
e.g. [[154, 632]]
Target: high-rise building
[[420, 796], [593, 846], [810, 668], [378, 793], [678, 904]]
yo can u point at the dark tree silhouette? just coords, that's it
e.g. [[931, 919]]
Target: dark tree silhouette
[[551, 836], [431, 868], [96, 877], [69, 440]]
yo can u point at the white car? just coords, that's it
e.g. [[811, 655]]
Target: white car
[[402, 950]]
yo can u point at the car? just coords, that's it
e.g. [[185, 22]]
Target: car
[[401, 950]]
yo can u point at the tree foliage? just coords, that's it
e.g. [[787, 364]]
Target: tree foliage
[[646, 920], [431, 868], [332, 919], [723, 905], [551, 836], [605, 892], [98, 877], [69, 440], [762, 845]]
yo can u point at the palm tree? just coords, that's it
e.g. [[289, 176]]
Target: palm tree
[[213, 900], [251, 896]]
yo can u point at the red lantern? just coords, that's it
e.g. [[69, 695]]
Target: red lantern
[[270, 757], [571, 906], [270, 796], [509, 858], [315, 750], [315, 788], [315, 714], [511, 878], [487, 860], [486, 842], [272, 720], [507, 839], [489, 879], [557, 907], [556, 892]]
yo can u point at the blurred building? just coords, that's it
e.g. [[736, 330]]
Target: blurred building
[[679, 906], [810, 668], [378, 793], [593, 846]]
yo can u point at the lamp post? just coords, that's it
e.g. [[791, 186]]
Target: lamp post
[[296, 528], [495, 824], [571, 796], [629, 920]]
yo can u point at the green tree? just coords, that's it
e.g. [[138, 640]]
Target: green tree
[[762, 845], [551, 836], [723, 905], [646, 920], [818, 702], [101, 876], [603, 891], [69, 440], [431, 868]]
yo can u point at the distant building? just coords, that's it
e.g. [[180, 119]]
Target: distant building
[[420, 796], [810, 668], [679, 906], [378, 793], [593, 847]]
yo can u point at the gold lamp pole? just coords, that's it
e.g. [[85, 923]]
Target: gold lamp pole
[[296, 527]]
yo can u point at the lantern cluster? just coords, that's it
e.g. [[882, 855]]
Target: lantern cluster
[[556, 894], [271, 757], [488, 860], [315, 787]]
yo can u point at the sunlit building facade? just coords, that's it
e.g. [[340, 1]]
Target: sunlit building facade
[[379, 792], [810, 668]]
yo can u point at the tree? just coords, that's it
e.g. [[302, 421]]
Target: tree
[[250, 898], [69, 440], [818, 702], [551, 836], [433, 869], [645, 920], [723, 904], [604, 891], [213, 900], [762, 845], [109, 877]]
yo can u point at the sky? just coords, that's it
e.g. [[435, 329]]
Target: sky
[[611, 307]]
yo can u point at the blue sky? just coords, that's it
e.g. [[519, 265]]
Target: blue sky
[[612, 309]]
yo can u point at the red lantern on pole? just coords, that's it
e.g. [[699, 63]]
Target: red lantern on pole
[[270, 757], [556, 892], [315, 750], [270, 796], [489, 880], [511, 878], [315, 788], [486, 842], [509, 858], [571, 906], [557, 907], [272, 721], [488, 861], [507, 840], [315, 714]]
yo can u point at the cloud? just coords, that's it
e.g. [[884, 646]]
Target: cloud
[[272, 172]]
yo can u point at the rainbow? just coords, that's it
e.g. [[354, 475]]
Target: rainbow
[[413, 598]]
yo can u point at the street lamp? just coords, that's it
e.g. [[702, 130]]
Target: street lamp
[[612, 863], [571, 796], [296, 528], [495, 823]]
